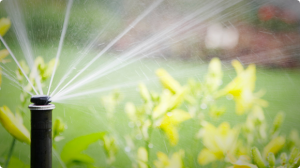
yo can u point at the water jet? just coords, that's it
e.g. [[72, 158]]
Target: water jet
[[41, 131]]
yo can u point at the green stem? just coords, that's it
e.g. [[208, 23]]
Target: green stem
[[149, 140], [10, 152], [148, 149]]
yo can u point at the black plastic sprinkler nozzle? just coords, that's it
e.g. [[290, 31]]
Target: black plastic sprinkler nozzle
[[41, 132], [40, 100]]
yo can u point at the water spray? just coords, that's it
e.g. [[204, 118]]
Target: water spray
[[41, 132]]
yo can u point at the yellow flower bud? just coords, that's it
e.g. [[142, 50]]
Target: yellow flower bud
[[130, 109], [214, 76], [237, 66], [277, 122], [271, 160], [168, 81], [144, 92], [142, 157], [13, 124], [4, 25], [3, 53], [274, 146], [294, 154], [257, 159], [170, 121]]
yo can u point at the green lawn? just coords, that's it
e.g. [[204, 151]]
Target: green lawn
[[85, 114]]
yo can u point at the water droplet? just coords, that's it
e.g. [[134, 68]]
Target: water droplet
[[229, 97], [157, 124], [221, 82], [131, 124], [203, 106], [127, 149], [150, 145], [138, 137]]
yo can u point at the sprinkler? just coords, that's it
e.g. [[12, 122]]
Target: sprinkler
[[41, 132]]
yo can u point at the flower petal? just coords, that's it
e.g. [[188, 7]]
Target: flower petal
[[4, 25], [168, 81], [274, 146], [142, 157], [13, 125], [206, 156], [3, 53]]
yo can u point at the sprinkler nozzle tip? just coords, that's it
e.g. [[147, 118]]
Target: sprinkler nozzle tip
[[40, 99]]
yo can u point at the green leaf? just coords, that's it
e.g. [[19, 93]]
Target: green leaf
[[277, 122], [16, 163], [271, 159], [72, 151], [257, 159], [294, 154]]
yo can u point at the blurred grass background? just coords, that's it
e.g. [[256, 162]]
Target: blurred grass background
[[282, 93]]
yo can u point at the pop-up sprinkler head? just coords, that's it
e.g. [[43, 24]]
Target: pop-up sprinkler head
[[40, 100], [41, 132]]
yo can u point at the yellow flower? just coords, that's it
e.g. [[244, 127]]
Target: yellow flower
[[274, 146], [168, 102], [168, 81], [144, 92], [170, 122], [214, 76], [14, 125], [242, 87], [3, 53], [142, 157], [45, 70], [217, 141], [4, 25], [206, 156], [242, 162], [165, 162]]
